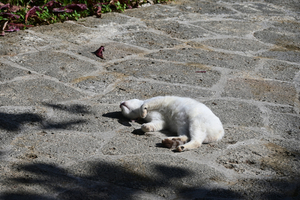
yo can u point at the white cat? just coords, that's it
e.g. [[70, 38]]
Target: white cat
[[194, 122]]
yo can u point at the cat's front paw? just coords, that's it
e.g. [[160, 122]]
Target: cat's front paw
[[144, 110], [147, 128]]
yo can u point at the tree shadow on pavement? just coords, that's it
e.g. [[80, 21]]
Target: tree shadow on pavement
[[104, 181]]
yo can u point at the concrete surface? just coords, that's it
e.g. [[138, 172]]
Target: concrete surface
[[62, 135]]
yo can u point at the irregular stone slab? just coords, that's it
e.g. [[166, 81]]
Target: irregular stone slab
[[235, 44], [112, 18], [21, 42], [55, 64], [282, 54], [286, 125], [236, 113], [230, 27], [67, 31], [113, 50], [274, 69], [273, 188], [15, 119], [199, 75], [283, 39], [282, 109], [293, 5], [178, 30], [164, 175], [83, 118], [97, 83], [147, 40], [143, 90], [154, 12], [205, 57], [258, 9], [133, 141], [204, 7], [260, 90], [264, 160], [53, 146], [34, 91], [8, 72]]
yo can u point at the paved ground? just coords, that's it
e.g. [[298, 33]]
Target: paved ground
[[62, 135]]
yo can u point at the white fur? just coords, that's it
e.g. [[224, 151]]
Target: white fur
[[194, 122]]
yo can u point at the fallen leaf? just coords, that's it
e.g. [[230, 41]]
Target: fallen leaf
[[99, 52], [32, 12]]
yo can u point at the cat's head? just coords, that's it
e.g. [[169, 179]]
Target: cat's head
[[131, 108]]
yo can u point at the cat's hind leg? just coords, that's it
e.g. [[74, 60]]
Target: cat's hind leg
[[197, 136], [174, 142]]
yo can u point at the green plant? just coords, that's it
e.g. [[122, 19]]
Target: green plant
[[106, 8], [120, 7]]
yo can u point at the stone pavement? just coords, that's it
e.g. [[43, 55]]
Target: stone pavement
[[62, 135]]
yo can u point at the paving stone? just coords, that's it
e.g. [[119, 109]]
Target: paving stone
[[21, 42], [80, 117], [230, 27], [56, 146], [34, 91], [133, 141], [97, 83], [274, 69], [234, 44], [285, 125], [274, 188], [8, 72], [131, 89], [199, 75], [67, 31], [65, 68], [293, 5], [259, 9], [107, 19], [112, 50], [147, 40], [206, 7], [160, 174], [261, 159], [260, 90], [154, 12], [179, 30], [236, 113], [283, 39], [206, 57], [282, 54]]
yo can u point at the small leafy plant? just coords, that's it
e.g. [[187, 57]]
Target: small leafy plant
[[21, 14]]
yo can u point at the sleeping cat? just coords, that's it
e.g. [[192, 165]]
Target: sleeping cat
[[193, 122]]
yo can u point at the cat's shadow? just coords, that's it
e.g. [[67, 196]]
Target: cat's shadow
[[121, 119], [126, 122]]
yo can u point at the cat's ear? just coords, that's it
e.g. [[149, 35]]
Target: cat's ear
[[144, 110]]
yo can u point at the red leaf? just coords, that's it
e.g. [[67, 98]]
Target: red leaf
[[98, 11], [9, 15], [4, 6], [70, 8], [51, 4], [32, 12], [99, 52]]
